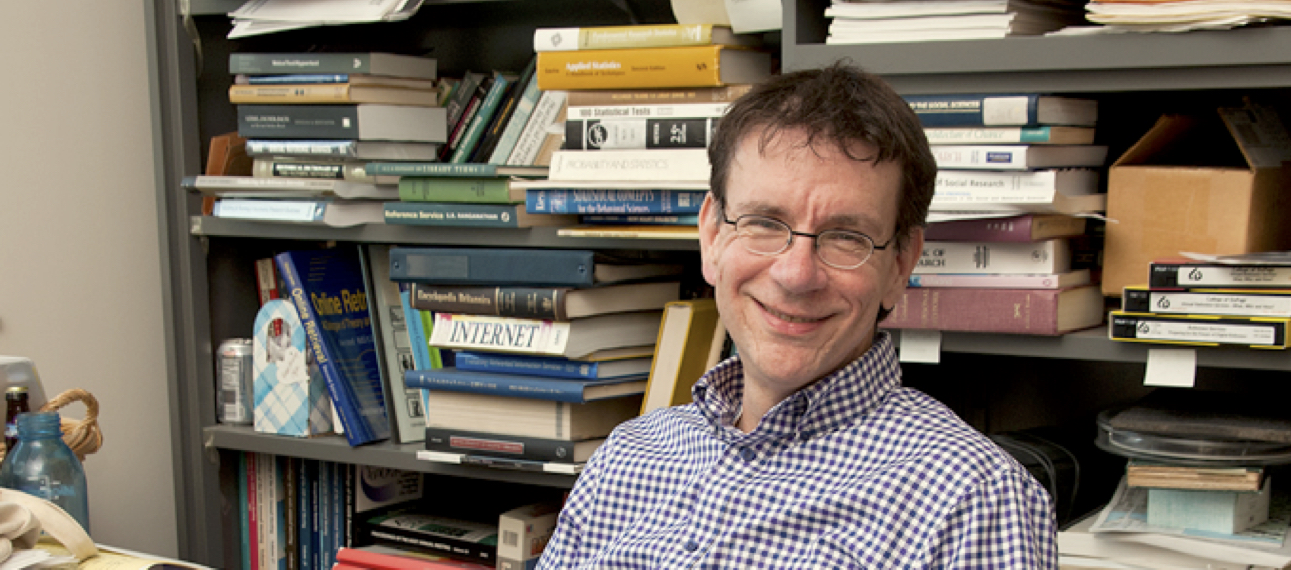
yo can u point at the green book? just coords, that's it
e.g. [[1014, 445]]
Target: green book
[[450, 170], [501, 84], [474, 190]]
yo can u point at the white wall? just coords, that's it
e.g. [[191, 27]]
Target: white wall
[[80, 281]]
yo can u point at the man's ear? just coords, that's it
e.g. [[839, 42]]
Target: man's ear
[[906, 259], [708, 229]]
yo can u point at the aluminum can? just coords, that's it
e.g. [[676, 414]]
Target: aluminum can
[[233, 393]]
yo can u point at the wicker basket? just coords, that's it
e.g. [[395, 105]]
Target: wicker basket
[[83, 435]]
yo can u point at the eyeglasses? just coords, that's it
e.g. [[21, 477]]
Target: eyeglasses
[[840, 249]]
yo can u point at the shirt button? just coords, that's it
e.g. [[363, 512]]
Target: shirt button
[[748, 454], [691, 546]]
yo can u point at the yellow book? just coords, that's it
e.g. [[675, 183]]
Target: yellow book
[[630, 231], [639, 36], [697, 66], [332, 93], [683, 353]]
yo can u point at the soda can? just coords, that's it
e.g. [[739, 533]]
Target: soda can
[[234, 394]]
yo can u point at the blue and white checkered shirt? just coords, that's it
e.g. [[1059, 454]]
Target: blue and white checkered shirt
[[853, 471]]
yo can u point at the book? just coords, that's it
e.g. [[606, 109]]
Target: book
[[548, 113], [600, 134], [681, 352], [363, 121], [663, 110], [451, 440], [630, 231], [1198, 330], [506, 108], [570, 339], [550, 366], [638, 36], [1018, 157], [632, 219], [471, 107], [525, 102], [695, 66], [475, 190], [1146, 473], [1017, 311], [327, 288], [423, 356], [1046, 256], [334, 213], [291, 167], [1065, 191], [553, 303], [1009, 135], [385, 557], [498, 462], [447, 170], [1066, 280], [525, 531], [470, 215], [352, 149], [512, 266], [1189, 273], [1221, 512], [1236, 302], [673, 164], [375, 63], [285, 187], [395, 345], [529, 417], [498, 88], [332, 78], [310, 93], [576, 390], [457, 537], [1024, 110], [599, 97], [461, 97], [1022, 228], [227, 156]]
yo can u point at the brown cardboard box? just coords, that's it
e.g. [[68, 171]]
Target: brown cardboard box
[[1207, 184]]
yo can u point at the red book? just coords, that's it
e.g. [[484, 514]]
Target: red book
[[386, 558], [1026, 227], [1021, 311]]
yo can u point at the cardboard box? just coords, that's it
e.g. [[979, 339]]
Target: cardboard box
[[522, 534], [1206, 184]]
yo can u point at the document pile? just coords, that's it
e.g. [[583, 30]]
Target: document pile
[[257, 17]]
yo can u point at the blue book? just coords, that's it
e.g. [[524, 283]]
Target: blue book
[[244, 514], [574, 201], [298, 78], [337, 512], [493, 266], [984, 110], [554, 367], [469, 215], [659, 220], [421, 357], [327, 288], [322, 507], [307, 543], [577, 391]]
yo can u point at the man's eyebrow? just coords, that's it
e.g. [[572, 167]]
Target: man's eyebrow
[[841, 221]]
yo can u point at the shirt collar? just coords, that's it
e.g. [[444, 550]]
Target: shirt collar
[[832, 402]]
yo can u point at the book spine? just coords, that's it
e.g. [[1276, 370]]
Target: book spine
[[598, 134], [545, 114], [630, 219], [510, 385], [462, 95], [498, 266], [432, 543], [969, 187], [266, 63], [991, 157], [506, 110], [305, 514], [986, 281], [301, 78], [697, 66], [1229, 303], [355, 392], [289, 94], [519, 119], [247, 493], [416, 332], [451, 440], [599, 97], [339, 536], [637, 202], [521, 302], [522, 364], [622, 37], [396, 355], [322, 508], [1168, 275], [504, 334], [458, 132], [1010, 229], [298, 121], [1198, 330], [488, 106], [610, 165], [970, 110], [320, 148], [993, 135], [647, 111], [469, 190], [349, 171], [265, 519], [1024, 311], [454, 214], [1049, 256], [438, 169]]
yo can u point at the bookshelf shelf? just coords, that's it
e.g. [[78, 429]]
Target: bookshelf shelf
[[383, 454]]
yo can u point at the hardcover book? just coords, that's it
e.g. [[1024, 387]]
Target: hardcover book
[[624, 197], [388, 557], [638, 36], [334, 213], [1146, 473], [1017, 311], [288, 187], [697, 66], [1235, 302], [331, 169], [342, 78], [327, 288], [474, 190], [403, 402], [634, 133], [1066, 191], [646, 111], [681, 352], [376, 63], [1018, 157], [575, 390], [679, 95], [553, 303], [572, 339], [1009, 135], [470, 215], [630, 231], [499, 462], [1048, 256], [525, 267], [1067, 280], [529, 448], [1024, 228], [528, 417], [1182, 272], [447, 170], [670, 164], [1198, 330], [295, 94], [363, 121], [971, 110], [457, 537], [550, 366], [498, 88], [353, 149], [548, 112]]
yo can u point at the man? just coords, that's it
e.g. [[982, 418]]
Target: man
[[804, 451]]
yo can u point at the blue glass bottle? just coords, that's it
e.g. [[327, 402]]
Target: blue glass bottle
[[44, 466]]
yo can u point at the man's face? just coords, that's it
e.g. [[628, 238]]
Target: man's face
[[794, 318]]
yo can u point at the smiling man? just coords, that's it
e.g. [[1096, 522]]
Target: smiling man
[[804, 451]]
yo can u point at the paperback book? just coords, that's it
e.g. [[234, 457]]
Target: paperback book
[[572, 339], [528, 448], [575, 390], [553, 303]]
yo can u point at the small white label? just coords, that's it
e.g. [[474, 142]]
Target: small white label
[[1171, 367], [1004, 111], [920, 346]]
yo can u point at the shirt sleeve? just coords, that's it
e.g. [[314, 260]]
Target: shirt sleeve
[[1006, 523], [565, 549]]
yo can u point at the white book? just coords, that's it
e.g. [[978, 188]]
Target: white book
[[1003, 280], [638, 164], [336, 214], [284, 187], [1018, 157], [651, 111], [546, 114], [1048, 256], [1065, 191], [571, 339]]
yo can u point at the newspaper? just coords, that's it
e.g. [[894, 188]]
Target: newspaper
[[1128, 512]]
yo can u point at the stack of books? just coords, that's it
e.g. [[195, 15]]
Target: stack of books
[[463, 195], [311, 122], [1004, 250], [552, 349], [868, 22], [1202, 300], [501, 118], [642, 103]]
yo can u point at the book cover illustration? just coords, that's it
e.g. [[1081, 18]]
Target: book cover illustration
[[290, 393]]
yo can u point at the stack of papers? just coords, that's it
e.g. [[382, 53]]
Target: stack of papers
[[1118, 16], [875, 21], [267, 16]]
